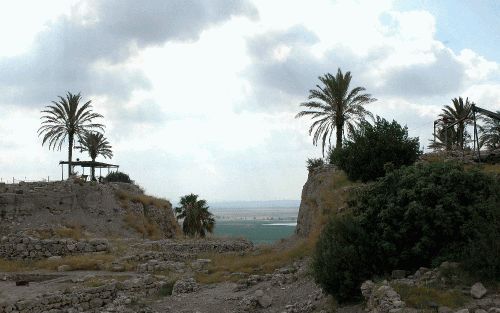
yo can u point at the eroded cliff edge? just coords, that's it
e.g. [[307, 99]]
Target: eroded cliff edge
[[323, 194]]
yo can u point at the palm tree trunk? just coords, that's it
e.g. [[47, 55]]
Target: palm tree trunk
[[339, 136], [70, 154], [462, 134], [93, 170]]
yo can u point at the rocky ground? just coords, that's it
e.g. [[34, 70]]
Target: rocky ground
[[286, 290], [159, 276], [445, 289]]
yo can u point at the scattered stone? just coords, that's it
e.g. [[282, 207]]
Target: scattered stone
[[265, 301], [444, 309], [449, 265], [382, 299], [199, 264], [64, 268], [367, 288], [185, 285], [462, 311], [478, 291], [421, 271]]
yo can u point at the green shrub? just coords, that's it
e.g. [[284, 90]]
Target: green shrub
[[341, 261], [166, 289], [369, 148], [314, 163], [414, 216], [424, 214], [118, 177]]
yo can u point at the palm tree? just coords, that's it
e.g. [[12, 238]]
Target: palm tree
[[333, 106], [95, 144], [444, 138], [197, 219], [67, 119], [461, 114], [490, 133]]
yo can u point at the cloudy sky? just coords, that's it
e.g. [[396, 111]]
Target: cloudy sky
[[200, 95]]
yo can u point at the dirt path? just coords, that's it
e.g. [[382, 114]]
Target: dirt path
[[219, 298]]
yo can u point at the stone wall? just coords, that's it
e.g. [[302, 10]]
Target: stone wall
[[20, 247], [185, 250], [95, 299], [201, 246]]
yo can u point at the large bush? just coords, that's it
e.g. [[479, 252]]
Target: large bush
[[415, 216], [342, 258], [370, 147], [118, 177]]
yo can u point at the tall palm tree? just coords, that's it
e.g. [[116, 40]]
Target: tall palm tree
[[95, 144], [460, 113], [490, 133], [197, 219], [333, 106], [66, 118]]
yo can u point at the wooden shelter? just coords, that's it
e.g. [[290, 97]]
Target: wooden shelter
[[89, 164]]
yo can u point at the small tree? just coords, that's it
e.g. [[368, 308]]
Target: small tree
[[371, 147], [67, 119], [314, 163], [118, 177], [490, 133], [197, 220], [95, 144], [461, 114]]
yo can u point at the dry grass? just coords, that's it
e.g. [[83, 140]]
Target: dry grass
[[423, 297], [143, 225], [146, 227], [333, 200], [265, 260], [145, 200], [11, 266], [98, 281], [84, 262], [74, 231], [490, 168], [70, 230]]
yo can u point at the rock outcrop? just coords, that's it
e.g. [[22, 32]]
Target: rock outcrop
[[317, 196], [100, 210]]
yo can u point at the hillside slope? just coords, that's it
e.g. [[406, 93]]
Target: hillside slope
[[69, 209]]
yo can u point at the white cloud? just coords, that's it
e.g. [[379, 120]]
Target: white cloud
[[89, 48], [200, 96], [477, 67]]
